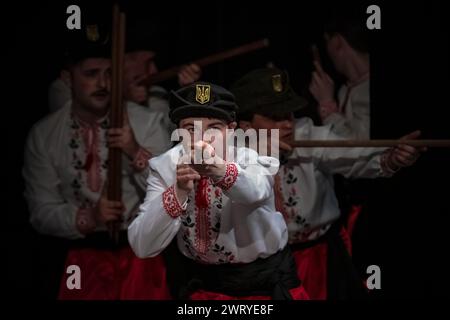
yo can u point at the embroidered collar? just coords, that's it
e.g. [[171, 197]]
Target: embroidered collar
[[103, 122]]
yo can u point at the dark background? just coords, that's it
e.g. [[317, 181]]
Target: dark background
[[407, 226]]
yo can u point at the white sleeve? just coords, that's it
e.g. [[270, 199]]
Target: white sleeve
[[58, 95], [156, 138], [250, 184], [158, 220], [49, 212], [153, 137], [350, 162], [358, 127], [158, 101]]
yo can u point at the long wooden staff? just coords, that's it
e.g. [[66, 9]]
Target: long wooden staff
[[172, 72], [368, 143], [114, 187]]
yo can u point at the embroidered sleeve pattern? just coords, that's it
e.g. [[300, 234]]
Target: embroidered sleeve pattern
[[326, 108], [140, 162], [229, 178], [171, 204], [85, 221]]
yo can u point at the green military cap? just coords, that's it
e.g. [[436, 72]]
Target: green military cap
[[266, 91]]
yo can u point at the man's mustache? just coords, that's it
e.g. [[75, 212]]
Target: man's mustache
[[101, 93]]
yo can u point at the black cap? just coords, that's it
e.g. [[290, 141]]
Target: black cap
[[202, 99], [93, 40], [266, 91]]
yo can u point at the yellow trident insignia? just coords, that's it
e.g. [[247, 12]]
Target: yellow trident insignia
[[92, 32], [202, 93], [276, 83]]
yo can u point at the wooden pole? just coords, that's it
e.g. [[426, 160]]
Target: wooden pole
[[368, 143], [114, 186], [172, 72]]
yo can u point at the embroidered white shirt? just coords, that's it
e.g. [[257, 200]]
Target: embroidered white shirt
[[63, 182], [239, 225], [353, 120], [310, 203]]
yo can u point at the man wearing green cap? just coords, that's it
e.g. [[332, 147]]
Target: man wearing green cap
[[231, 238], [303, 188]]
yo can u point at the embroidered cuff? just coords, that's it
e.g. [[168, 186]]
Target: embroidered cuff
[[85, 221], [171, 203], [384, 163], [140, 162], [229, 178], [328, 107]]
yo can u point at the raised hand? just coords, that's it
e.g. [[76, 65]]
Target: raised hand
[[404, 155], [186, 175], [108, 211], [189, 74], [322, 88]]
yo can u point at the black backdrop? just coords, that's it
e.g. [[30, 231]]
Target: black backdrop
[[407, 225]]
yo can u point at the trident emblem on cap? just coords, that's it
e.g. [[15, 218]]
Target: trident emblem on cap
[[276, 83], [92, 32], [202, 93]]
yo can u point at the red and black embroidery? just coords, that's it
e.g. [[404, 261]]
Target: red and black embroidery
[[85, 220], [229, 178], [89, 159], [171, 204], [201, 224], [202, 216], [291, 196], [224, 255], [141, 160]]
